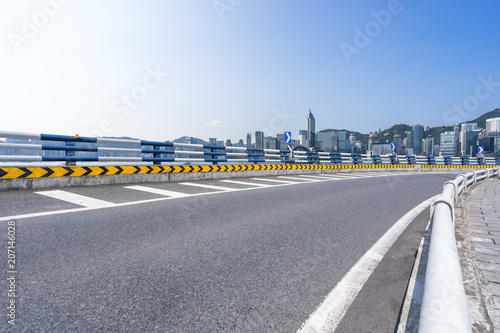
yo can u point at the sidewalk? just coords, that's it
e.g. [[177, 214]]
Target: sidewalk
[[482, 215]]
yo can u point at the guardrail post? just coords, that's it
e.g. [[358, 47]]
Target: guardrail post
[[214, 157], [156, 155], [70, 153]]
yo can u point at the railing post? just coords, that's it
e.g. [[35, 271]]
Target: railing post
[[214, 157], [70, 153], [156, 155]]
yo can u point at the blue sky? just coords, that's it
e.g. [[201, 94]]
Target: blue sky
[[160, 69]]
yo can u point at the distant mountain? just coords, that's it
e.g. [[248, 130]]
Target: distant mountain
[[194, 140], [359, 136]]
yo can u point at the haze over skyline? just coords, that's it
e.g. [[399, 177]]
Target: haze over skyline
[[159, 70]]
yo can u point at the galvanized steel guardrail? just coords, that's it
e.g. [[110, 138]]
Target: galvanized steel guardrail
[[72, 149], [444, 305]]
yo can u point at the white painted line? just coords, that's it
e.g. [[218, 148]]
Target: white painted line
[[329, 314], [297, 178], [325, 176], [157, 191], [213, 187], [410, 296], [76, 199], [123, 204], [84, 209], [313, 177], [276, 181], [245, 183]]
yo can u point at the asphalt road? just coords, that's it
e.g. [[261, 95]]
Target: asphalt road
[[260, 259]]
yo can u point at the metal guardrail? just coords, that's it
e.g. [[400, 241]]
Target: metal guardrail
[[73, 149], [444, 304]]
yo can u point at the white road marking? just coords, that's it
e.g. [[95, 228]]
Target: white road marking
[[297, 178], [410, 297], [213, 187], [313, 177], [326, 176], [84, 209], [157, 191], [76, 199], [329, 314], [276, 181], [245, 183]]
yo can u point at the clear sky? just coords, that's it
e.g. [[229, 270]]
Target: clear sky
[[161, 69]]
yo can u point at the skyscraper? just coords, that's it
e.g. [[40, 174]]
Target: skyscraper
[[429, 146], [303, 138], [311, 129], [259, 139], [249, 140], [449, 142], [417, 136]]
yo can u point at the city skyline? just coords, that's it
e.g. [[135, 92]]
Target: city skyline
[[303, 133]]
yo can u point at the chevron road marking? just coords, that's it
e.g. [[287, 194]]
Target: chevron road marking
[[245, 183], [77, 199], [158, 191], [213, 187], [330, 313]]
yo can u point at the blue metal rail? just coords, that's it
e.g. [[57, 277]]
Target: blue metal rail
[[158, 152]]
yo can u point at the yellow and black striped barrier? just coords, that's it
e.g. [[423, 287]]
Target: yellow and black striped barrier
[[457, 166], [80, 171]]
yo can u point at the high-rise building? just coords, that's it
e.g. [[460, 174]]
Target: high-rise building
[[409, 140], [273, 143], [414, 139], [311, 129], [429, 146], [212, 141], [493, 125], [449, 144], [417, 137], [463, 134], [325, 141], [259, 139], [493, 133], [281, 141], [469, 143], [303, 138], [249, 140], [399, 144]]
